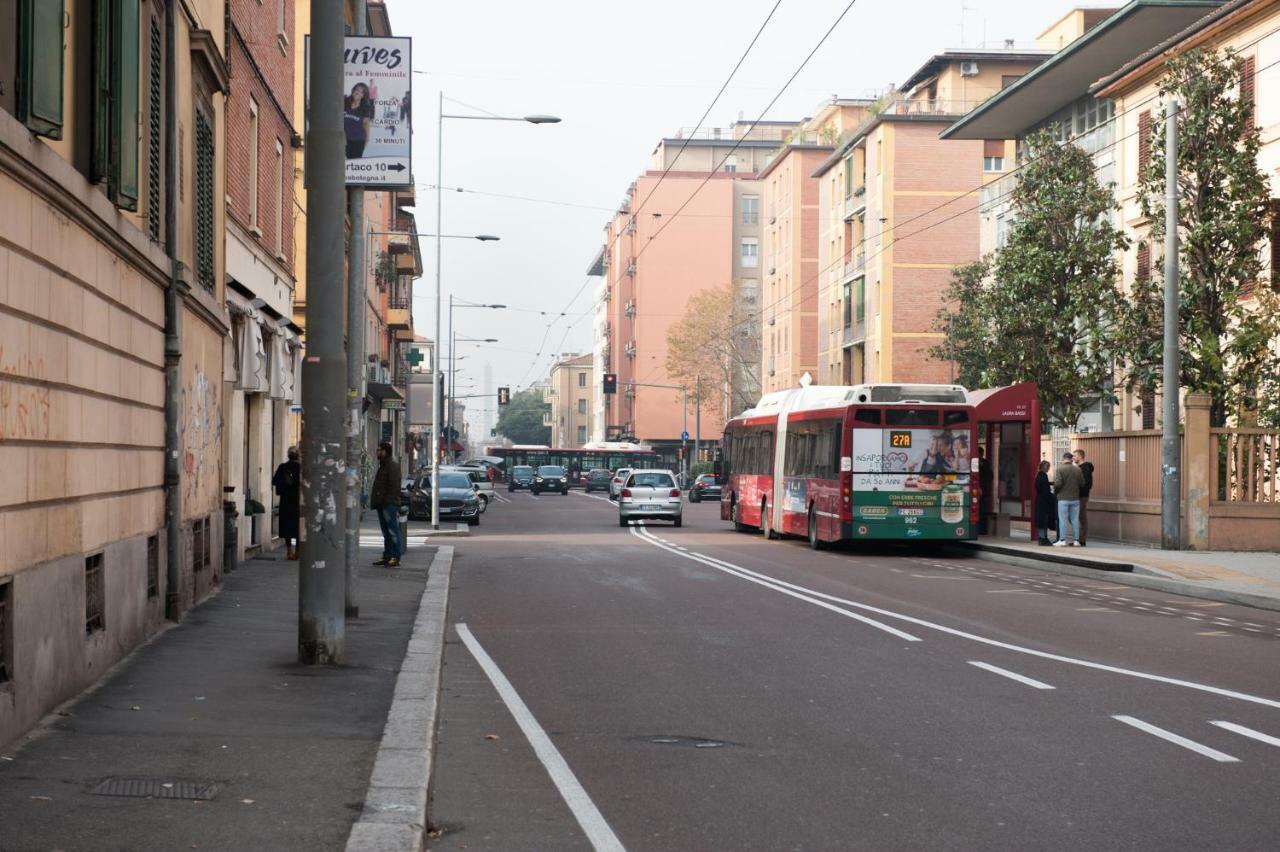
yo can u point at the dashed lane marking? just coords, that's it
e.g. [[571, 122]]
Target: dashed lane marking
[[1023, 679], [1248, 732], [1170, 736]]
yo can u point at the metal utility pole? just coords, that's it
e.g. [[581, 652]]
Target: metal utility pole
[[1170, 440], [697, 416], [356, 278], [321, 576]]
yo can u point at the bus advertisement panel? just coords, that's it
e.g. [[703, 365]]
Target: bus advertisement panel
[[912, 482]]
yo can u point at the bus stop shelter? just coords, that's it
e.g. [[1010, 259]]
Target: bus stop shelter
[[1008, 420]]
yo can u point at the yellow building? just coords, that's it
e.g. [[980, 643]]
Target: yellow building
[[112, 327]]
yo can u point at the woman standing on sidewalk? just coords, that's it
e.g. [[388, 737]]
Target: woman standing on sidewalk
[[288, 484], [1046, 506]]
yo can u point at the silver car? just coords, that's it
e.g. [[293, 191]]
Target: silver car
[[650, 494]]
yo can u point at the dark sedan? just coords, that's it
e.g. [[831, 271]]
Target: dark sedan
[[597, 480], [521, 477], [705, 487], [458, 500], [551, 477]]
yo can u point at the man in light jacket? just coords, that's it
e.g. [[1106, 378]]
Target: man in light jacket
[[1068, 482]]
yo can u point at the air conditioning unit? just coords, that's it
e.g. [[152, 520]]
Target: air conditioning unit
[[968, 69]]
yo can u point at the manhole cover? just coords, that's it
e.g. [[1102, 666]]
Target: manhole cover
[[678, 740], [156, 788]]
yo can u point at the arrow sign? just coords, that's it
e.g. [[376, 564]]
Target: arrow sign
[[396, 167]]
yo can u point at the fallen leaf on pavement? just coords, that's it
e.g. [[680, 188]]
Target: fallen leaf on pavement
[[42, 798], [136, 707], [246, 801], [491, 736]]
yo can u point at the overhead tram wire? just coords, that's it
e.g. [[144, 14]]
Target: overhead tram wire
[[1000, 197], [738, 142]]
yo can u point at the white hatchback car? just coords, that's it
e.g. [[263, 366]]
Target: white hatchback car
[[650, 494], [619, 479]]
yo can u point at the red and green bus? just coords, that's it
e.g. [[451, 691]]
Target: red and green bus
[[839, 463]]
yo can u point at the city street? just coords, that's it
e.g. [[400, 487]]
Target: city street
[[697, 688]]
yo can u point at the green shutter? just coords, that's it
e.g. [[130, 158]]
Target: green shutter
[[154, 114], [40, 66], [100, 164], [124, 104], [204, 201]]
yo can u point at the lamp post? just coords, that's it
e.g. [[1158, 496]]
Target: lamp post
[[440, 117], [453, 345]]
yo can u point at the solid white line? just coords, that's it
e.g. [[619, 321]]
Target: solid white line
[[742, 574], [1211, 753], [1036, 684], [994, 643], [1248, 732], [584, 810]]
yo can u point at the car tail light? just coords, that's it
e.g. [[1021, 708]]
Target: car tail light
[[626, 492], [675, 492]]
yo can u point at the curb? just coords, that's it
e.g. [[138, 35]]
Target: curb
[[1113, 574], [395, 806]]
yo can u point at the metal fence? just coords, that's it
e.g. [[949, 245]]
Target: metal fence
[[1248, 465], [1126, 465]]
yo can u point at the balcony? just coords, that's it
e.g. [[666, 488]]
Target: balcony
[[855, 203], [855, 263], [629, 349], [399, 319], [630, 308], [631, 267], [925, 107]]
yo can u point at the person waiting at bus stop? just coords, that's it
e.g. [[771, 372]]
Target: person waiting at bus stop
[[1046, 506], [1068, 482]]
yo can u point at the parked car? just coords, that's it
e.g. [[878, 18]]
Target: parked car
[[597, 480], [650, 494], [406, 486], [480, 479], [619, 478], [705, 487], [550, 477], [458, 499], [521, 477]]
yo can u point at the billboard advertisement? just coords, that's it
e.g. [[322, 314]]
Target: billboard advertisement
[[377, 114], [911, 482]]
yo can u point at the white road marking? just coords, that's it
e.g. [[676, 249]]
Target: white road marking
[[776, 586], [1096, 609], [584, 810], [1012, 592], [1035, 684], [591, 496], [938, 577], [1248, 732], [781, 585], [1169, 736]]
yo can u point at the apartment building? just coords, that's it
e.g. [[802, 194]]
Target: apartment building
[[112, 330], [789, 313], [1061, 96], [892, 220], [653, 260], [570, 397]]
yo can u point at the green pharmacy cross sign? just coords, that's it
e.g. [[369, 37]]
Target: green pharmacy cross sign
[[415, 357]]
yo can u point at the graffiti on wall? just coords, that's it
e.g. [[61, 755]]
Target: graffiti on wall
[[201, 439], [24, 409]]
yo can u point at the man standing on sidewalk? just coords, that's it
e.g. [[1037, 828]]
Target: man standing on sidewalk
[[384, 498], [1086, 468], [1068, 481]]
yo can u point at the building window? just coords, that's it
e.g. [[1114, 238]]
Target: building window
[[6, 632], [153, 566], [750, 252], [993, 164], [751, 210], [279, 211], [582, 406], [155, 108], [847, 295], [582, 435], [200, 545], [117, 50], [582, 380], [255, 143], [280, 21], [993, 155], [37, 101], [94, 595], [205, 264], [731, 164]]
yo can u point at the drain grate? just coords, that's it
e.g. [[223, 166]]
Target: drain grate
[[156, 788]]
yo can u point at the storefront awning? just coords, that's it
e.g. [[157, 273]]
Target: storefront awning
[[380, 391]]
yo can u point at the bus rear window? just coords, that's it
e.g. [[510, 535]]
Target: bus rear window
[[867, 415], [954, 417], [911, 417]]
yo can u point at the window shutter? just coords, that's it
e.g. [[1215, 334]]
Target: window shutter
[[124, 104], [204, 201], [1248, 73], [100, 165], [39, 88], [1275, 244], [1144, 142], [1149, 409], [155, 99], [993, 147], [1143, 272]]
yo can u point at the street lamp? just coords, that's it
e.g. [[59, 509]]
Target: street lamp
[[441, 115], [453, 346]]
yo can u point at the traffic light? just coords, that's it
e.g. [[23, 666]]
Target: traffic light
[[504, 396], [610, 382]]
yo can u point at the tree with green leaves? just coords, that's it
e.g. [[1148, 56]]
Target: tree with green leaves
[[1229, 315], [1042, 309], [521, 418]]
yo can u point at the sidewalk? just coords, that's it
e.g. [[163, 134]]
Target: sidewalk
[[220, 700], [1252, 579]]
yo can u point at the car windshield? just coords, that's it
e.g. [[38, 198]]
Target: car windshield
[[623, 471], [707, 479], [522, 470], [454, 480], [550, 470], [651, 480], [599, 474]]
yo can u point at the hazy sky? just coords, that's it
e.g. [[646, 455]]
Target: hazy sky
[[621, 75]]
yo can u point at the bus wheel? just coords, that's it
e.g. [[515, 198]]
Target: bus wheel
[[815, 543], [765, 526], [735, 515]]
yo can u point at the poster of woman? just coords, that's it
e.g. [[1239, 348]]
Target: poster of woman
[[377, 118]]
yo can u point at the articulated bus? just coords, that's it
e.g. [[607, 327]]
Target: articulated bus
[[836, 463], [578, 460]]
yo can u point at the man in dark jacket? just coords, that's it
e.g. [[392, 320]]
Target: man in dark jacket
[[288, 484], [384, 498], [1086, 467]]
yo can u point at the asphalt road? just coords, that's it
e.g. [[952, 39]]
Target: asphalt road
[[697, 688]]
